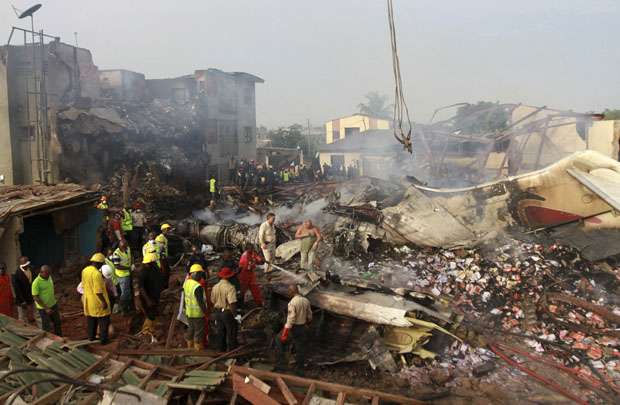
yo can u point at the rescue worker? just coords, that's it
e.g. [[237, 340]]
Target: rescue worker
[[126, 223], [114, 231], [22, 286], [229, 261], [195, 307], [162, 241], [45, 301], [103, 203], [267, 240], [247, 277], [295, 330], [111, 261], [286, 176], [138, 220], [213, 187], [224, 299], [95, 299], [151, 246], [147, 290], [122, 267], [310, 237]]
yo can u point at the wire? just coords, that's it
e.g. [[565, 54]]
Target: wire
[[400, 105]]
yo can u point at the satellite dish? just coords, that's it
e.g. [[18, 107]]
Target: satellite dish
[[30, 11]]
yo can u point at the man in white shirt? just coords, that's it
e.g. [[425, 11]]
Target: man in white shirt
[[267, 240]]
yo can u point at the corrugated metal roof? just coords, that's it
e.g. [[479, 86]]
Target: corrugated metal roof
[[19, 199]]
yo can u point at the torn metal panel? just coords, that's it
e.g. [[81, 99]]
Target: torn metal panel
[[602, 181], [370, 306]]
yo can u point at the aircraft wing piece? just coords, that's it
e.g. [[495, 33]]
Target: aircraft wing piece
[[603, 182]]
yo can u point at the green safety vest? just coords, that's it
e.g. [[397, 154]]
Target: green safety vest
[[125, 259], [192, 309], [285, 177], [212, 185], [127, 222]]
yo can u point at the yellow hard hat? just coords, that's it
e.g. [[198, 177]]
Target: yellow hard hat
[[196, 267], [98, 258], [165, 226], [149, 258]]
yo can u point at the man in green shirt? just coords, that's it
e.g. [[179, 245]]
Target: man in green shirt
[[45, 301]]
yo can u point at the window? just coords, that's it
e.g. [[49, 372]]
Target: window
[[351, 131]]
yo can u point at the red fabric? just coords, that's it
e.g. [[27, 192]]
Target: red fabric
[[247, 281], [6, 296], [249, 259], [284, 335]]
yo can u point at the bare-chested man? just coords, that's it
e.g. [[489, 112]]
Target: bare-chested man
[[310, 237]]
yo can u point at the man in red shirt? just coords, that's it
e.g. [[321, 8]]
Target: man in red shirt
[[247, 277], [115, 233]]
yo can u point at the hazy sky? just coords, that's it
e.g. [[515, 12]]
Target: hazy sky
[[319, 57]]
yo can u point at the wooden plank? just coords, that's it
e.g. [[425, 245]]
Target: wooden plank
[[250, 392], [54, 395], [322, 385], [375, 401], [201, 398], [341, 398], [288, 395], [147, 378], [172, 326], [309, 394], [233, 399], [259, 384]]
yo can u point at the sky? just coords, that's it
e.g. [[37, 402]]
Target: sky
[[320, 57]]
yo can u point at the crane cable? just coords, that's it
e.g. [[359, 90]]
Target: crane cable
[[400, 105]]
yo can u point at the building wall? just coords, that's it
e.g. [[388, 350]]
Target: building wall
[[122, 85], [350, 158], [336, 129], [10, 250], [71, 76], [6, 153], [227, 109], [603, 137], [179, 89]]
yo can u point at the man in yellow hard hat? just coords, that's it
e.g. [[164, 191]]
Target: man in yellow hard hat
[[162, 241], [148, 290], [195, 307], [95, 299]]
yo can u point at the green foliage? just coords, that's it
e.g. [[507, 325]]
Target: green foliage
[[376, 105], [482, 117], [293, 136], [612, 114]]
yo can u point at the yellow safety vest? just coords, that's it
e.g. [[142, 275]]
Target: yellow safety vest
[[285, 177], [102, 206], [127, 223], [163, 245], [152, 247], [212, 185], [192, 309], [125, 261]]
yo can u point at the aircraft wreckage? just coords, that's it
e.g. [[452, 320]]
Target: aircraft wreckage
[[575, 200], [534, 202]]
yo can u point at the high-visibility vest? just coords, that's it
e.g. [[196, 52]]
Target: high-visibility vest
[[163, 245], [102, 206], [127, 222], [152, 247], [192, 309], [285, 176], [125, 261], [212, 185]]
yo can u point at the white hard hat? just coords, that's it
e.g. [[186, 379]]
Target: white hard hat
[[106, 271]]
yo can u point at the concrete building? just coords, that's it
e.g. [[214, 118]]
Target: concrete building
[[375, 153], [34, 82], [226, 108], [341, 128], [123, 85]]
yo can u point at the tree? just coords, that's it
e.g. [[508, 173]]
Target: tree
[[376, 105], [612, 114], [482, 117]]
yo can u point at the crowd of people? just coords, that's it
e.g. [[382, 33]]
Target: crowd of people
[[128, 281]]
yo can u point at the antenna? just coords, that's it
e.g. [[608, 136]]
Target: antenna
[[15, 10], [29, 12]]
